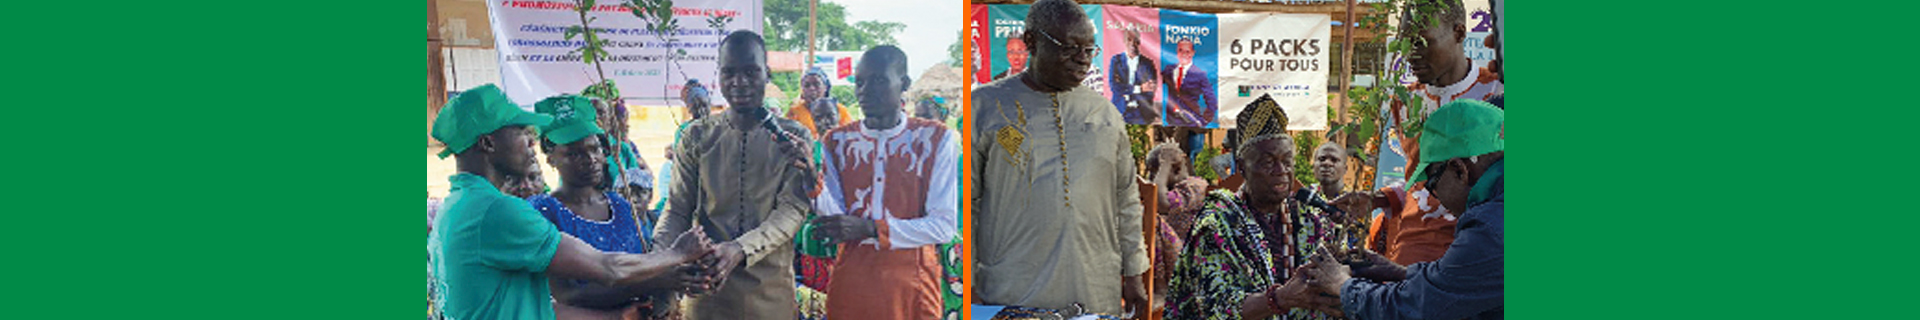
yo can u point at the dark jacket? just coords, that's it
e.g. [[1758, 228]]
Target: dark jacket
[[1469, 282], [1121, 80]]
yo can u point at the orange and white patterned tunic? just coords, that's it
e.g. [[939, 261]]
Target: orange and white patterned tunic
[[904, 178], [1420, 229]]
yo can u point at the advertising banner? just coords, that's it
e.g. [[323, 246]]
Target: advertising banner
[[1130, 50], [1179, 68], [538, 59], [1009, 55], [978, 30], [1190, 68], [1285, 56]]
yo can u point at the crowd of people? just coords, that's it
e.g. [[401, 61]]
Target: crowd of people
[[757, 208], [1058, 219]]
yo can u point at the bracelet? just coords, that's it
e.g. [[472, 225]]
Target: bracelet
[[1273, 299]]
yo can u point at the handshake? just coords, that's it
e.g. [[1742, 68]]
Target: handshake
[[1316, 285], [698, 266]]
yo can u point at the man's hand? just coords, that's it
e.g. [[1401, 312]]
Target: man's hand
[[690, 245], [1369, 265], [1133, 295], [800, 149], [1295, 293], [1324, 274], [1321, 286], [688, 278], [802, 159], [727, 257], [843, 228], [705, 276], [1358, 204]]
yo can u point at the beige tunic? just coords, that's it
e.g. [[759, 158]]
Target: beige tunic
[[1052, 231], [741, 187]]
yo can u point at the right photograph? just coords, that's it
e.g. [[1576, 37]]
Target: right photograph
[[1235, 159]]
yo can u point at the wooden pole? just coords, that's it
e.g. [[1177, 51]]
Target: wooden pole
[[436, 66], [1346, 60], [813, 8]]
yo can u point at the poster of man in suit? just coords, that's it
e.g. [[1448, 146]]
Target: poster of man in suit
[[1189, 69], [1132, 47]]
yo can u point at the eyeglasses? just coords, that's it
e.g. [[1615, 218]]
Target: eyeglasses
[[1084, 50]]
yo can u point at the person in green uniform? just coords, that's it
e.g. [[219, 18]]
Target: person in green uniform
[[493, 252]]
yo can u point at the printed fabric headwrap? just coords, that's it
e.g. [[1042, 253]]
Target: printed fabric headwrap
[[825, 81], [1261, 120], [937, 103], [693, 89]]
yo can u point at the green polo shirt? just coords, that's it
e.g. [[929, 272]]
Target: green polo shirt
[[490, 252]]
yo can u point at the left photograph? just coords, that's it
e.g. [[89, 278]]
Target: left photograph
[[694, 159]]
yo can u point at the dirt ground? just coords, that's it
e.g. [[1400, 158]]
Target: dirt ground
[[651, 130]]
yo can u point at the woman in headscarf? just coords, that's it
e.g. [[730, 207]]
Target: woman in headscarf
[[698, 103], [814, 86], [1180, 195], [602, 218], [1240, 258]]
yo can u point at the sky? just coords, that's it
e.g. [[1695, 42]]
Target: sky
[[931, 26]]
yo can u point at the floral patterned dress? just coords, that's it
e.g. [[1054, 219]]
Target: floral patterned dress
[[1179, 206], [1230, 257]]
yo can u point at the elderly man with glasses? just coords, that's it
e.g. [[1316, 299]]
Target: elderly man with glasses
[[1057, 218]]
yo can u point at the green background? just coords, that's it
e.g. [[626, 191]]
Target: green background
[[1710, 160], [257, 159], [213, 160]]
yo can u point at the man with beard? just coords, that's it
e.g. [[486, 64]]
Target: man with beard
[[1057, 224]]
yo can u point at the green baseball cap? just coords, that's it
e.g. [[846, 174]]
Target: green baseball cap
[[477, 112], [573, 118], [1463, 128]]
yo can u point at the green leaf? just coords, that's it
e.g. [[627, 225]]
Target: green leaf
[[1367, 129], [571, 32], [586, 4]]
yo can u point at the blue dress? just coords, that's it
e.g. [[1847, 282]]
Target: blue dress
[[623, 233]]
